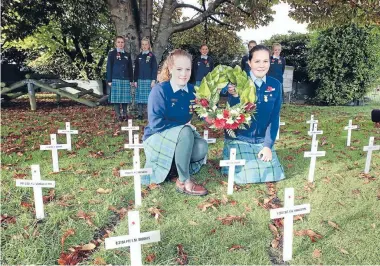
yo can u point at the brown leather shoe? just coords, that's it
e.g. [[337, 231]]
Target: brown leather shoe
[[191, 188]]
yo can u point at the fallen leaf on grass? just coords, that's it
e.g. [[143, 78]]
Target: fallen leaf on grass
[[116, 172], [343, 251], [235, 247], [368, 178], [69, 232], [193, 223], [156, 212], [210, 203], [308, 232], [74, 256], [103, 191], [332, 224], [356, 191], [150, 258], [19, 175], [229, 219], [99, 261], [89, 246], [275, 242], [373, 226], [26, 204], [7, 219], [274, 230], [49, 198], [298, 217], [87, 217], [317, 253], [182, 255]]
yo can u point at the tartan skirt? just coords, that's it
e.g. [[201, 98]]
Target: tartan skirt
[[120, 91], [159, 152], [254, 170], [143, 90]]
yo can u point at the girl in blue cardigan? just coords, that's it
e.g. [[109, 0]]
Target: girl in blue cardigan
[[171, 144], [145, 75], [119, 77], [255, 143]]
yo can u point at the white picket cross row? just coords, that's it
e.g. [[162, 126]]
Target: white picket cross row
[[314, 132], [136, 172], [135, 238], [54, 147], [287, 212], [369, 150], [312, 121], [278, 131], [130, 128], [68, 133], [231, 163], [314, 153], [37, 184], [349, 128], [209, 141]]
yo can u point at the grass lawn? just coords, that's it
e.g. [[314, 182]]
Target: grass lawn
[[90, 200]]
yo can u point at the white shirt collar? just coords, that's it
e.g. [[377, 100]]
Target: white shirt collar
[[120, 50], [176, 88], [277, 57], [264, 79], [204, 57]]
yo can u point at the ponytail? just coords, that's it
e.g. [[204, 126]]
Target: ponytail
[[169, 62]]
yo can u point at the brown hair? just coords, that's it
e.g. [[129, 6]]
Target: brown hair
[[252, 41], [169, 62], [276, 44], [119, 37]]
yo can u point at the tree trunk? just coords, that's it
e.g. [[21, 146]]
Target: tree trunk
[[124, 14]]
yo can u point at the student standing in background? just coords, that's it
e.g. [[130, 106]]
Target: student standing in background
[[145, 75], [202, 65], [119, 75], [244, 61], [277, 66]]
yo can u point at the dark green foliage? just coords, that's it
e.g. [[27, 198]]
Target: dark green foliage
[[344, 61], [294, 49]]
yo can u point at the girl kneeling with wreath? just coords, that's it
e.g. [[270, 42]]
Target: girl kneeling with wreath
[[255, 143]]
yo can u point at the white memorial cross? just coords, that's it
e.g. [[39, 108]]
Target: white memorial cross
[[314, 153], [209, 141], [37, 184], [369, 149], [349, 128], [279, 125], [312, 121], [231, 163], [130, 128], [136, 172], [314, 132], [68, 133], [135, 239], [287, 212], [54, 147]]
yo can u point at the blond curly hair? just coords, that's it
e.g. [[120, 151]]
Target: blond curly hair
[[169, 62]]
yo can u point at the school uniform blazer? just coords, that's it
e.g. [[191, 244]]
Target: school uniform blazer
[[145, 67], [266, 120], [277, 68], [119, 66], [201, 67]]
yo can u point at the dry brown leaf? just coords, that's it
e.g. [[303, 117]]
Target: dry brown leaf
[[156, 212], [69, 232], [150, 258], [182, 255], [275, 243], [343, 251], [99, 261], [86, 216], [89, 246], [333, 225], [229, 219], [103, 191], [297, 218], [116, 172], [235, 247], [153, 186], [317, 253], [308, 232], [273, 228]]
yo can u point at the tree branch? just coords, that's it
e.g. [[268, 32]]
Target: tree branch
[[198, 19], [188, 6], [222, 23]]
